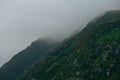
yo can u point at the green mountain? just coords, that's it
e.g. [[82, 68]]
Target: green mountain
[[26, 59], [92, 54]]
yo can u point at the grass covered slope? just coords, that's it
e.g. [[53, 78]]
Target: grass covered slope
[[26, 59], [93, 54]]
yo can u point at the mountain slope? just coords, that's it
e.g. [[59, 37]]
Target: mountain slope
[[93, 54], [25, 60]]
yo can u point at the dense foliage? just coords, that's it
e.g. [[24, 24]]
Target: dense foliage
[[93, 54]]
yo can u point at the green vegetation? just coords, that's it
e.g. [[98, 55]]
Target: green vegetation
[[93, 54]]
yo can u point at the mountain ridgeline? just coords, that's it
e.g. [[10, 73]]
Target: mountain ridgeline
[[92, 54], [26, 59]]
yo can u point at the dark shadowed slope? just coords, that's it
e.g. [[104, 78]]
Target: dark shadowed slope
[[93, 54], [26, 59]]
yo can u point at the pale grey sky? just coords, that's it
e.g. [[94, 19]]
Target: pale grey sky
[[23, 21]]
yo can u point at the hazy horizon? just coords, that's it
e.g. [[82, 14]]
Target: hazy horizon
[[24, 21]]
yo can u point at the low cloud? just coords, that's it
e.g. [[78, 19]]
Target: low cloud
[[23, 21]]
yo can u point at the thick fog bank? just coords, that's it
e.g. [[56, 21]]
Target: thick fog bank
[[23, 21]]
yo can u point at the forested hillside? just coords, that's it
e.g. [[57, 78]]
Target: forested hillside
[[93, 54], [26, 59]]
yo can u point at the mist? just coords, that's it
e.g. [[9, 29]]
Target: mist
[[23, 21]]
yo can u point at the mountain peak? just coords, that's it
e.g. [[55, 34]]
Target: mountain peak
[[93, 54]]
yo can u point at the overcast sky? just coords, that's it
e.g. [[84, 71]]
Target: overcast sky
[[23, 21]]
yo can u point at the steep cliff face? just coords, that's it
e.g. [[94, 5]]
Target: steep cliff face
[[93, 54], [26, 59]]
